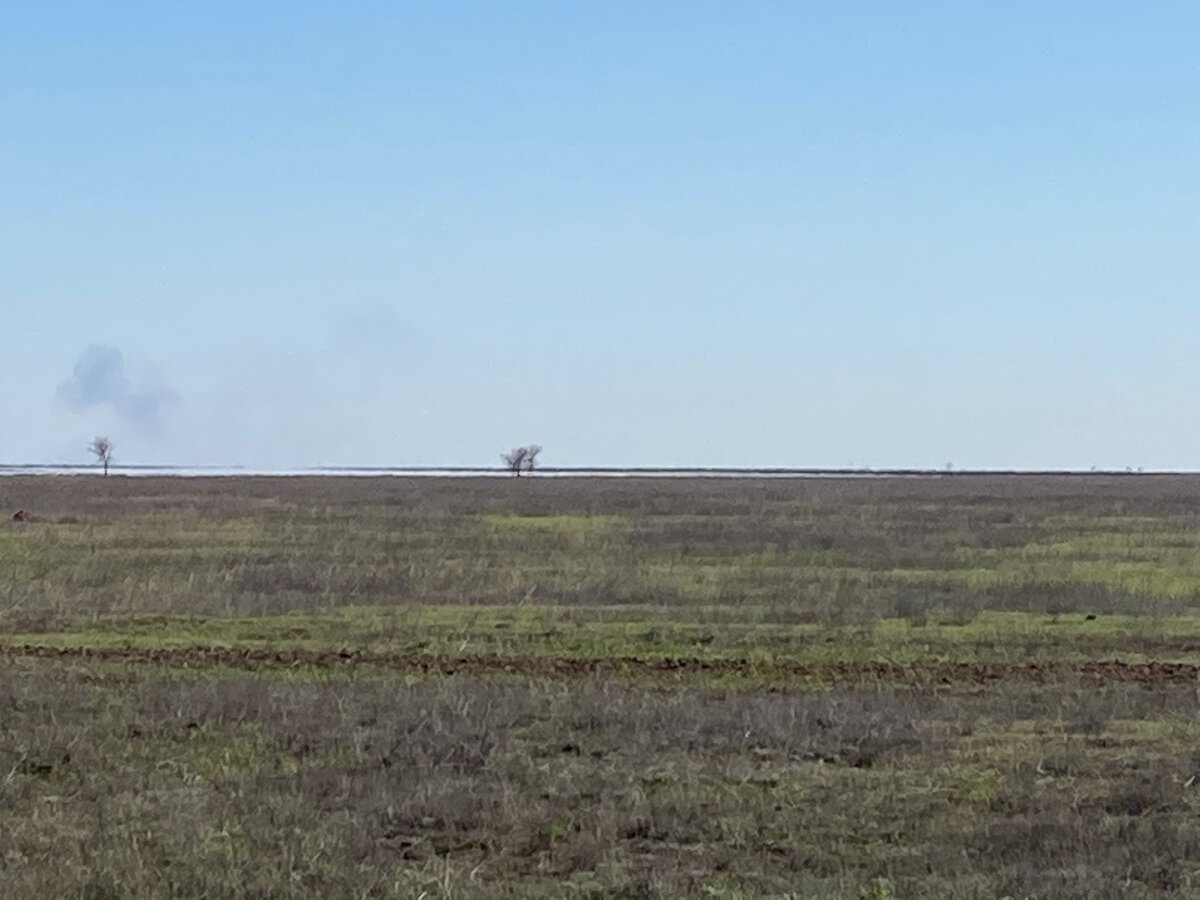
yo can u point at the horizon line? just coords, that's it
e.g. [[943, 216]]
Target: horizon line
[[677, 471]]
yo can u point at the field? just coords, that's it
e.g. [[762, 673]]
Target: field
[[965, 686]]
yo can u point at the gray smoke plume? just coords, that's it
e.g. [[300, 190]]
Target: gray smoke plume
[[99, 379]]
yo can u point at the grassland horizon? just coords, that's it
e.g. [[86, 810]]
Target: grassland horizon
[[682, 471]]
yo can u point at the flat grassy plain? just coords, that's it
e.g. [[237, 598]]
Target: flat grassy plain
[[960, 686]]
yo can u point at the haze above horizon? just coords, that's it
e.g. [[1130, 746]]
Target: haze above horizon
[[763, 234]]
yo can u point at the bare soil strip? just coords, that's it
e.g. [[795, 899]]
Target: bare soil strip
[[923, 673]]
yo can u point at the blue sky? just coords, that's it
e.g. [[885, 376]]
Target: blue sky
[[667, 234]]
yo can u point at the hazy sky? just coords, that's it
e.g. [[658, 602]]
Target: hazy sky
[[788, 233]]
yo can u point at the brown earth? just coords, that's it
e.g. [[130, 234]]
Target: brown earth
[[923, 673]]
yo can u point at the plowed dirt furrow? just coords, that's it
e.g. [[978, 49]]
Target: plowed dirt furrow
[[912, 673]]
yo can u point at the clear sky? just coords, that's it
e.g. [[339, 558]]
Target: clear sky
[[692, 233]]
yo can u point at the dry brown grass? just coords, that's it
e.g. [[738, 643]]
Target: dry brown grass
[[753, 776]]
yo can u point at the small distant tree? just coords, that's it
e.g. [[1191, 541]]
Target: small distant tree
[[521, 459], [531, 455], [102, 449], [514, 460]]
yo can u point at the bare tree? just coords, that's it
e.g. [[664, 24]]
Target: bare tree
[[514, 460], [531, 455], [102, 449], [521, 459]]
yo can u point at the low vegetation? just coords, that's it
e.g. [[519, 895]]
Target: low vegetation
[[399, 687]]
